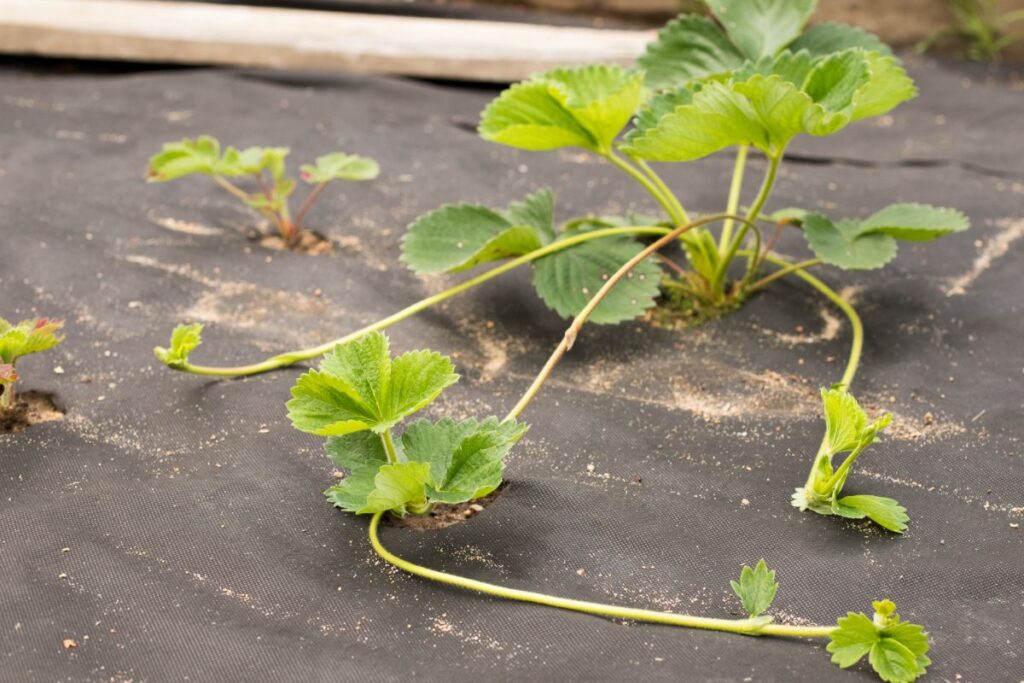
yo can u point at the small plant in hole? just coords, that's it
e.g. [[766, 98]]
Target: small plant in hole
[[265, 168], [28, 336], [360, 395]]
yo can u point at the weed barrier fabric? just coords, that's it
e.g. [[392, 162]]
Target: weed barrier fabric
[[199, 546]]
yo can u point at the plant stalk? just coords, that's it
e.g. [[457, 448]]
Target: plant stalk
[[735, 188], [389, 447], [293, 357], [740, 626], [308, 204], [668, 202], [569, 338]]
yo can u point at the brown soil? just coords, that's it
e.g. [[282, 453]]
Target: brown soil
[[33, 407], [446, 515], [310, 242]]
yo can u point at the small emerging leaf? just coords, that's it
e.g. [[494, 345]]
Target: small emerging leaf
[[397, 487], [756, 588], [339, 166], [885, 512], [184, 339], [358, 387], [896, 650], [177, 159], [28, 336]]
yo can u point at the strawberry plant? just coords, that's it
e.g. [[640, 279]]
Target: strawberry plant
[[28, 336], [265, 167], [359, 395], [749, 78]]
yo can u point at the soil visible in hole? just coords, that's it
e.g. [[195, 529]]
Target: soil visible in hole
[[446, 515], [310, 242], [32, 408]]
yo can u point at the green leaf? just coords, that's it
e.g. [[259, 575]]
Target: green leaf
[[896, 650], [536, 210], [845, 420], [828, 37], [888, 87], [177, 159], [844, 244], [885, 512], [915, 222], [756, 588], [362, 454], [567, 280], [871, 243], [689, 48], [339, 166], [457, 237], [855, 636], [578, 107], [397, 488], [760, 28], [358, 387], [184, 339]]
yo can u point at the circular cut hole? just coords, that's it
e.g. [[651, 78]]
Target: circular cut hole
[[32, 408], [446, 515]]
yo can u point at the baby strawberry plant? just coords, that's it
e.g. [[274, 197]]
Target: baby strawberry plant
[[28, 336], [265, 168]]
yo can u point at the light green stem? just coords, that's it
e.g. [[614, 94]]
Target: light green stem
[[755, 211], [668, 202], [290, 358], [741, 626], [389, 447], [735, 188], [681, 216]]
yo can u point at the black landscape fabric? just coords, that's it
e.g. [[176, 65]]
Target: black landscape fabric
[[199, 546]]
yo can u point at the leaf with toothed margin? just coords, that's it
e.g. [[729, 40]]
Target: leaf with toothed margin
[[359, 387], [756, 588], [339, 166], [396, 487], [915, 222], [184, 339], [828, 37], [567, 280], [689, 48], [760, 28], [885, 512], [896, 650], [584, 106]]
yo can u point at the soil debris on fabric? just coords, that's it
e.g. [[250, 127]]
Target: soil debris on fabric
[[310, 242], [446, 515], [32, 408]]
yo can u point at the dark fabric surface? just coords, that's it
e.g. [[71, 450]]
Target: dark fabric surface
[[200, 547]]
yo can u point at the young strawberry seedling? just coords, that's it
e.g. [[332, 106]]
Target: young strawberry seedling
[[28, 336], [359, 395], [265, 166]]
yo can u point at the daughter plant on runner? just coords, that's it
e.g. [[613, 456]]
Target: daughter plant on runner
[[265, 168], [27, 337]]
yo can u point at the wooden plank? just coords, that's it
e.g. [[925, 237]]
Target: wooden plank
[[195, 33]]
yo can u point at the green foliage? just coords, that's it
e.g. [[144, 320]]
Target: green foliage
[[457, 237], [358, 387], [896, 650], [689, 48], [847, 430], [339, 166], [360, 394], [829, 36], [28, 336], [184, 339], [579, 107], [266, 166], [768, 103], [756, 588], [760, 28], [978, 27], [871, 243], [438, 462]]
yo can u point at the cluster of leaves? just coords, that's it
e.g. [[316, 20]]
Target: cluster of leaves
[[28, 336], [266, 165], [457, 237], [896, 650], [359, 394], [979, 25], [184, 339], [847, 430]]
